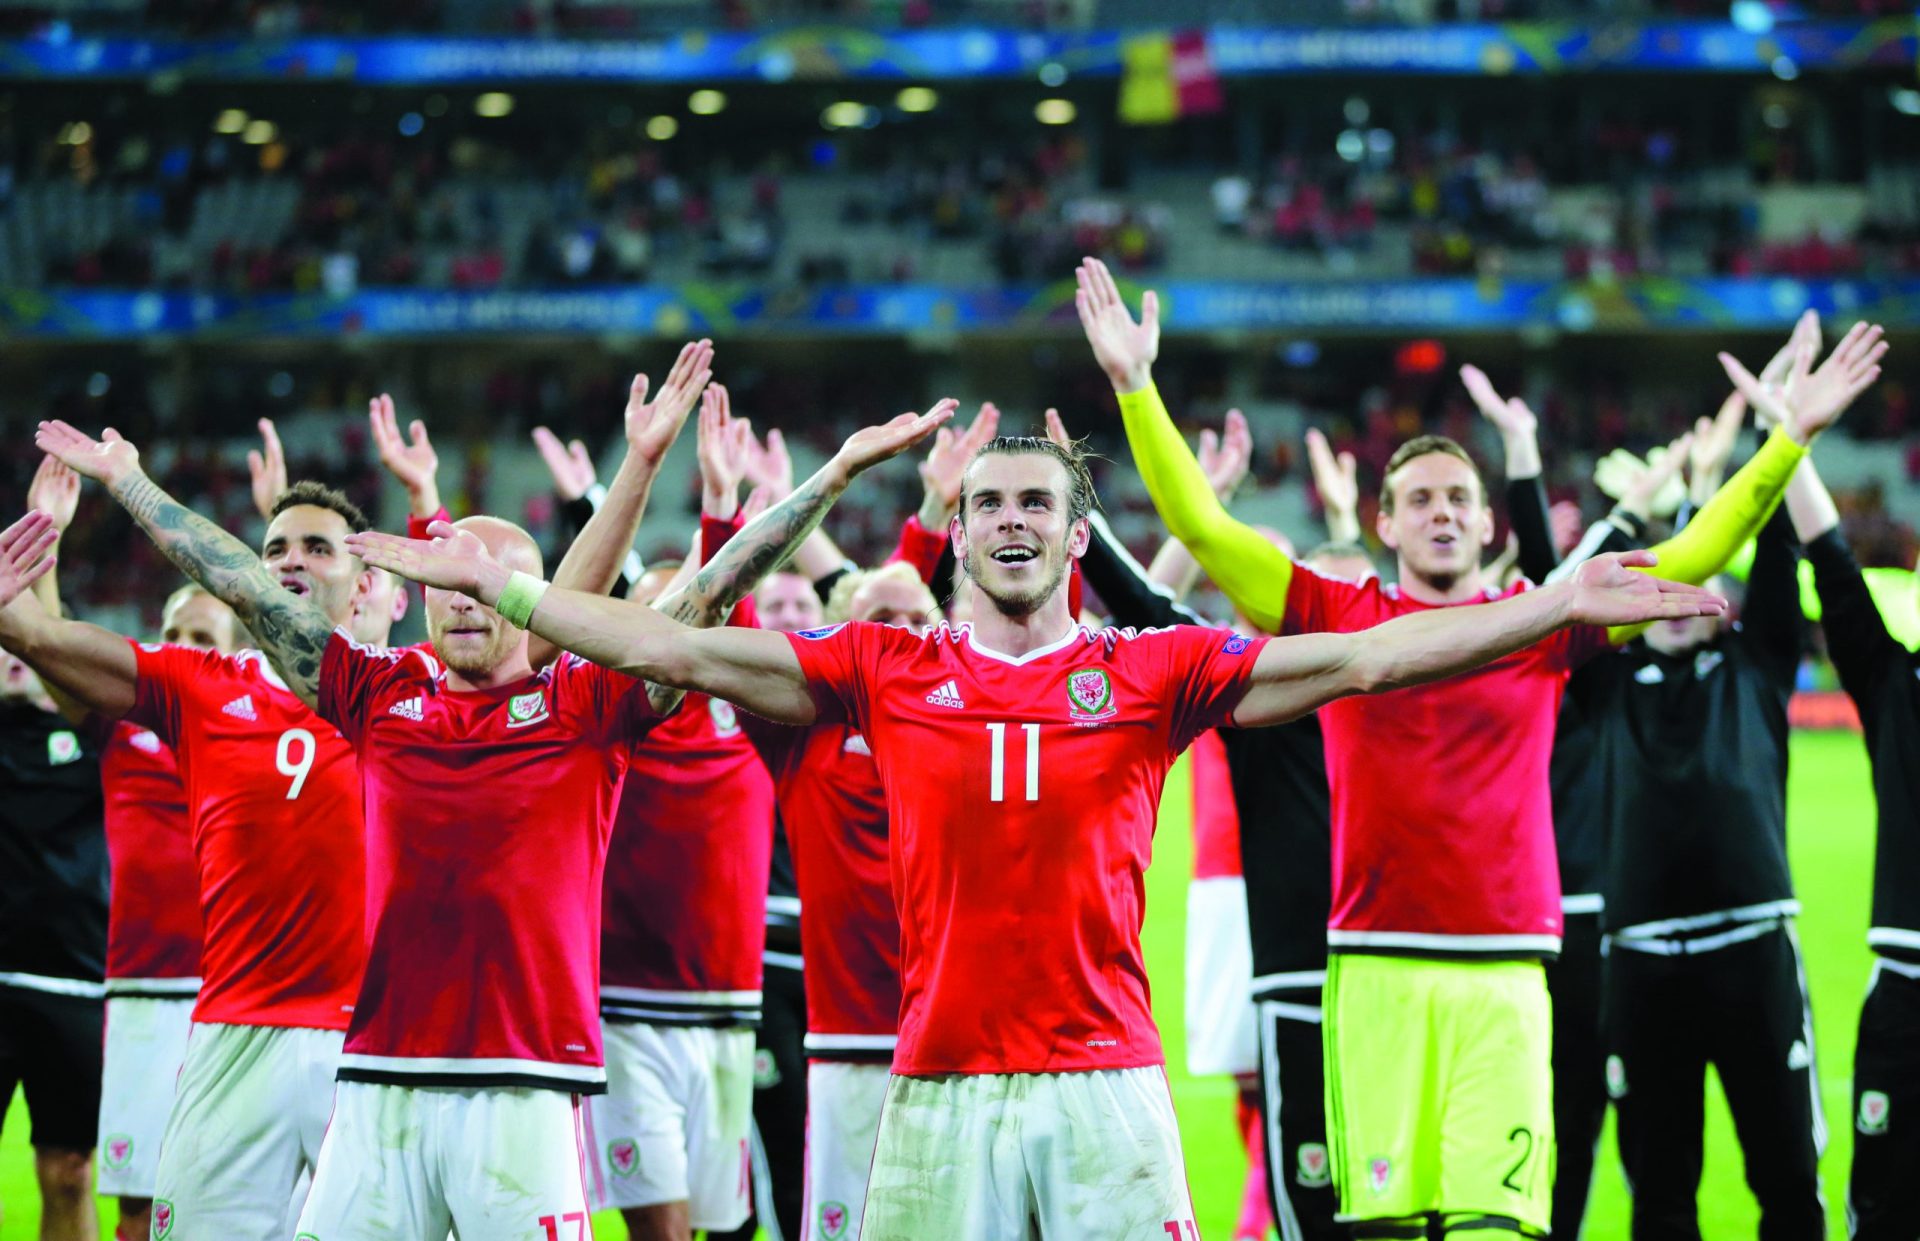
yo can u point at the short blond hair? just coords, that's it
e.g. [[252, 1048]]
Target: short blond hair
[[840, 599]]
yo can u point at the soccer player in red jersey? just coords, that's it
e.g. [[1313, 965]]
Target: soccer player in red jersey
[[1445, 886], [1022, 758], [275, 798], [681, 932], [153, 929], [489, 790]]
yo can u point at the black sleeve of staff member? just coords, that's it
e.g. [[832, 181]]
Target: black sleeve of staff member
[[1528, 515], [1135, 600], [574, 516], [1771, 619], [1857, 639]]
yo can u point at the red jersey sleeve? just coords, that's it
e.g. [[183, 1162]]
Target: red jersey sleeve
[[1207, 671], [1317, 604], [920, 547], [837, 662], [353, 678], [164, 676], [417, 526]]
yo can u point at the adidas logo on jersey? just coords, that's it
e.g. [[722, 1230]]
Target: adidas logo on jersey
[[947, 695], [241, 708], [411, 709]]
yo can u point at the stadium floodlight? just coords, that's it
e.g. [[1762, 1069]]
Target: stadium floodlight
[[411, 124], [848, 114], [231, 121], [917, 99], [1905, 100], [1350, 145], [495, 103], [76, 134], [1784, 68], [257, 133], [661, 128], [706, 102], [1053, 73], [1055, 112]]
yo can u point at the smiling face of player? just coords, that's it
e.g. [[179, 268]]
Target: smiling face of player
[[472, 639], [306, 551], [1017, 533], [1435, 518], [788, 603], [196, 619]]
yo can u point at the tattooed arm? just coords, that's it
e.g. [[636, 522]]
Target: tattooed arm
[[667, 644], [293, 631]]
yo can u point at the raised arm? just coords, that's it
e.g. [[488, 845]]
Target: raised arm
[[595, 559], [752, 668], [1296, 675], [411, 460], [1814, 400], [1337, 478], [86, 664], [1858, 641], [292, 630], [1253, 572]]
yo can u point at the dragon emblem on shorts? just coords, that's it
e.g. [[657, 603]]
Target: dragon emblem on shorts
[[833, 1220], [162, 1219], [117, 1151], [623, 1154]]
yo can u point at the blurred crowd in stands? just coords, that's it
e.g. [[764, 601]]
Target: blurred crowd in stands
[[350, 202]]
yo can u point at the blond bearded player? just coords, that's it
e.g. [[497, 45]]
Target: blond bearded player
[[1028, 1084]]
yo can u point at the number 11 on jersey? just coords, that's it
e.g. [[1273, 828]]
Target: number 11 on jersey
[[998, 780]]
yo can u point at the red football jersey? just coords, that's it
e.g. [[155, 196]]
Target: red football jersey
[[1442, 820], [835, 811], [1022, 794], [1216, 819], [488, 815], [683, 921], [275, 797], [153, 911]]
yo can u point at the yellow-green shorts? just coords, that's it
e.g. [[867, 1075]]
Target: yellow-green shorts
[[1440, 1088]]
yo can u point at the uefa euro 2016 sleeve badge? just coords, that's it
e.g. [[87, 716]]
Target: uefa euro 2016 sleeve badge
[[1090, 696]]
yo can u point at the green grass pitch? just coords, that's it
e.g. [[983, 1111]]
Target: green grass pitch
[[1831, 838]]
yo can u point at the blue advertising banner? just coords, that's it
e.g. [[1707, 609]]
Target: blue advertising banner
[[1434, 305], [833, 53]]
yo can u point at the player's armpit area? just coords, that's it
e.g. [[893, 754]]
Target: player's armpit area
[[1734, 515], [1252, 571]]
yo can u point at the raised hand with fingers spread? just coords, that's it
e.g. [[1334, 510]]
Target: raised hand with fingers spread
[[26, 553], [267, 470], [411, 459], [1337, 479], [570, 464], [1124, 347], [1519, 429], [653, 425], [725, 444], [1710, 447], [1226, 455], [107, 460], [1812, 400], [55, 491], [1653, 487], [945, 466], [769, 467]]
